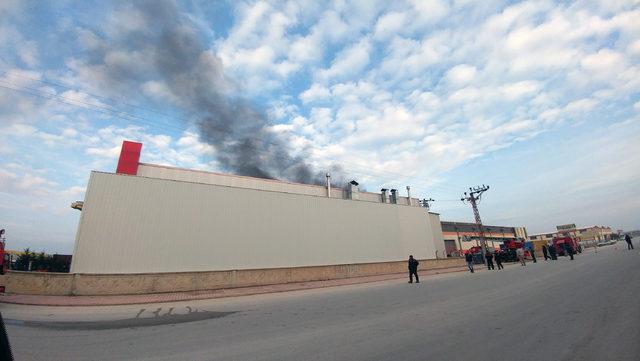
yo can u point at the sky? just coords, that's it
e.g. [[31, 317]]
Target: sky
[[540, 100]]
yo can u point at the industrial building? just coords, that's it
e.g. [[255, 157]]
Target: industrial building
[[584, 235], [147, 218], [461, 236]]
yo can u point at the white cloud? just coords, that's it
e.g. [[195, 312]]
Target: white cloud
[[408, 58], [315, 93], [348, 62], [159, 90], [429, 10], [28, 53], [190, 143], [634, 48], [281, 108], [605, 64], [107, 152], [30, 184], [69, 133], [520, 89], [306, 49], [461, 74], [389, 24], [582, 105]]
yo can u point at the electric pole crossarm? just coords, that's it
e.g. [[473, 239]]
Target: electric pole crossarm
[[473, 197]]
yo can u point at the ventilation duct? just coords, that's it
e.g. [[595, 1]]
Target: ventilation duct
[[352, 190]]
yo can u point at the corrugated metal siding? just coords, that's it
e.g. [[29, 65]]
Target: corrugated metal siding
[[436, 233], [162, 172], [134, 224]]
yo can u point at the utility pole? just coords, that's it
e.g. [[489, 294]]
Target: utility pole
[[473, 197]]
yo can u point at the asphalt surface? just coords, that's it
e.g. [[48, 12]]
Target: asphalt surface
[[586, 309]]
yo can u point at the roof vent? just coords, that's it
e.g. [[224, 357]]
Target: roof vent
[[352, 190]]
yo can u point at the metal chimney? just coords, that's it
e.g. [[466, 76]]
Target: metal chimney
[[383, 195], [408, 195], [353, 189], [328, 185], [394, 196]]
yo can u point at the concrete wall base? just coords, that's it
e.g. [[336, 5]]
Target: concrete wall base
[[78, 284]]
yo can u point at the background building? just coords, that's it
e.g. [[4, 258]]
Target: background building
[[584, 235], [149, 218], [462, 235]]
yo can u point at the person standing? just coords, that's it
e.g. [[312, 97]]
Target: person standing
[[545, 252], [520, 253], [627, 238], [469, 258], [532, 251], [553, 252], [569, 250], [499, 260], [413, 269], [489, 257]]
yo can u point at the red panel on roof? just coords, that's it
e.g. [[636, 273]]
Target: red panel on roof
[[129, 157]]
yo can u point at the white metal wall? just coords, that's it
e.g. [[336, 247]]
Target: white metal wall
[[197, 176], [133, 224], [436, 233]]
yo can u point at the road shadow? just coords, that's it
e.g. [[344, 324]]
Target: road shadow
[[159, 320]]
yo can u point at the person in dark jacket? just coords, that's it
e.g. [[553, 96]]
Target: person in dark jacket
[[413, 269], [545, 252], [489, 257], [553, 253], [469, 258], [569, 250], [499, 260], [627, 238]]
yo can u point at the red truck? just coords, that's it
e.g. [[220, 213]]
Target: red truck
[[563, 243]]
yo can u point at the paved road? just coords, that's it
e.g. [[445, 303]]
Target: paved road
[[587, 309]]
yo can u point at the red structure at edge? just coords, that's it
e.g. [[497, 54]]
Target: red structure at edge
[[129, 157]]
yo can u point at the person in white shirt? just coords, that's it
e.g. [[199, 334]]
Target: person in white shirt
[[520, 253]]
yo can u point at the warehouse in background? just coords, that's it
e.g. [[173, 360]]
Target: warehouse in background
[[149, 218], [461, 236], [586, 235]]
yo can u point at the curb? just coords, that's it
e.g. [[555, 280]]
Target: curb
[[117, 300]]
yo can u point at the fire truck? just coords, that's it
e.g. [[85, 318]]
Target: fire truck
[[564, 243], [507, 249]]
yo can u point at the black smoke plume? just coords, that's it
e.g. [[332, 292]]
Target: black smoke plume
[[168, 50]]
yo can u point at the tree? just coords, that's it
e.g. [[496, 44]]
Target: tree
[[42, 262], [22, 263]]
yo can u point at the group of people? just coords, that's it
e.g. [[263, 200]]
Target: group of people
[[500, 256], [548, 251]]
